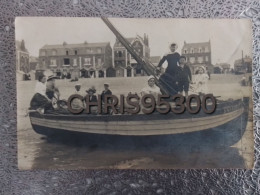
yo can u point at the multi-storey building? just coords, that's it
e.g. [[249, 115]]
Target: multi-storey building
[[198, 54], [77, 60], [22, 57], [243, 65], [125, 65]]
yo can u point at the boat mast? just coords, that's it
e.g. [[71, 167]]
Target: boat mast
[[148, 67]]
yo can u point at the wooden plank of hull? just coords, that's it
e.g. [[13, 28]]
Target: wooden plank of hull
[[149, 127]]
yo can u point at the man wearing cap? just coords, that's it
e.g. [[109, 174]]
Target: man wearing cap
[[168, 78], [52, 90], [106, 91]]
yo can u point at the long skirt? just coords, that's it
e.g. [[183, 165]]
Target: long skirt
[[40, 101], [169, 83]]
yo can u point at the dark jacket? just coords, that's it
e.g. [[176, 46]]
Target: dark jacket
[[92, 98], [184, 74], [108, 92], [172, 59]]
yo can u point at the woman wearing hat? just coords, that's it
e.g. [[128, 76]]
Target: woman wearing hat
[[52, 91], [92, 98], [90, 92], [168, 78], [40, 100]]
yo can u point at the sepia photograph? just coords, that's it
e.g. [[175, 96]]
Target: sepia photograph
[[126, 93]]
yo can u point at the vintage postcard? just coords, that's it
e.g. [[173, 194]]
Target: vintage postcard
[[110, 93]]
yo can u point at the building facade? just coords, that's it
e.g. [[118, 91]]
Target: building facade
[[76, 60], [243, 65], [221, 68], [198, 54], [124, 64], [22, 57]]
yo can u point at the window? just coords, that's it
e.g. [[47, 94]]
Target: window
[[99, 50], [120, 54], [76, 52], [66, 61], [54, 52], [99, 61], [200, 59], [192, 50], [185, 51], [200, 50], [53, 62], [67, 52], [87, 61], [75, 62], [192, 59], [207, 59], [89, 50], [43, 53]]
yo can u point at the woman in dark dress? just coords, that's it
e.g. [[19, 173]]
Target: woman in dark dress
[[40, 100], [169, 78]]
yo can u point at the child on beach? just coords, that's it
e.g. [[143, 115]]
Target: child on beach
[[201, 80], [184, 76]]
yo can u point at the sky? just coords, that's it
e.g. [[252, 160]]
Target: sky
[[228, 37]]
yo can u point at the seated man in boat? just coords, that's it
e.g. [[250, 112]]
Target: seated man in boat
[[51, 90], [40, 100], [77, 103], [169, 78], [107, 91], [184, 76]]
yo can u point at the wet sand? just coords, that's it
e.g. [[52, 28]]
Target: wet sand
[[96, 151]]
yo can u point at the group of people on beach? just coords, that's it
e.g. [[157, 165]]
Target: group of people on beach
[[176, 79], [47, 94], [177, 76]]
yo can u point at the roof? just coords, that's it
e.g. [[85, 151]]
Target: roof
[[196, 45], [130, 40], [247, 59], [18, 45], [78, 45]]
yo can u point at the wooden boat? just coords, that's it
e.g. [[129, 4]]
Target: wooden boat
[[141, 124], [230, 116]]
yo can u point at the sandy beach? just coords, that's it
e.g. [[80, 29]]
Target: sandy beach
[[91, 152]]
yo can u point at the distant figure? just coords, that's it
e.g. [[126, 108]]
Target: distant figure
[[208, 74], [168, 78], [151, 88], [106, 91], [184, 76], [201, 80], [243, 80], [40, 101]]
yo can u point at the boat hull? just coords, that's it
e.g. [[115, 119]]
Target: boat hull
[[141, 125]]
